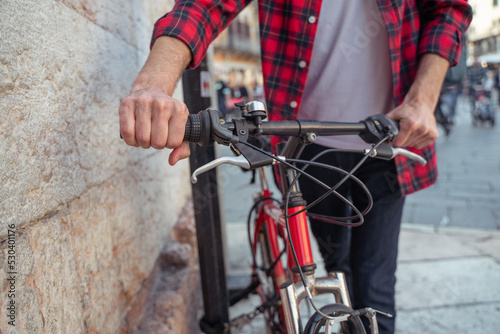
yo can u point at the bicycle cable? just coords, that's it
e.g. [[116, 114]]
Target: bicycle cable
[[342, 181], [287, 225], [249, 222], [281, 161], [331, 190]]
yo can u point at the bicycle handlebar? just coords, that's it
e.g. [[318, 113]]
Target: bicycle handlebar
[[205, 127], [208, 127]]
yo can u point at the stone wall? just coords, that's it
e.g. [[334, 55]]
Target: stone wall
[[88, 215]]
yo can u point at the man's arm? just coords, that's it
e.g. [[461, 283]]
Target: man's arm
[[416, 114], [443, 24], [149, 116]]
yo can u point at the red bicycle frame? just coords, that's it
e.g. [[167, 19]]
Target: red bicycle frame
[[269, 220], [299, 235]]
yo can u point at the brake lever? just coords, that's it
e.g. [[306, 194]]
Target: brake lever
[[409, 155], [386, 151], [239, 161]]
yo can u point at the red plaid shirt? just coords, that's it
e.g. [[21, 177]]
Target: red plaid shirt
[[288, 29]]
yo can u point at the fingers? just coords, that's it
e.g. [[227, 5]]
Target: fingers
[[177, 125], [154, 119], [417, 127], [179, 153], [159, 125], [127, 121], [168, 124], [415, 134], [143, 117]]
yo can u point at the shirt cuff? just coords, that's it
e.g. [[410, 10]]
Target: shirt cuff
[[446, 44], [175, 25], [443, 27]]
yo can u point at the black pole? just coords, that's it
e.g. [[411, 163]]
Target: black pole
[[207, 212]]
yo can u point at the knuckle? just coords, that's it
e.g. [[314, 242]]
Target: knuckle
[[177, 142], [175, 139], [174, 142], [132, 143], [185, 110], [181, 109], [420, 131], [128, 101], [157, 147], [126, 106], [163, 108], [157, 143], [145, 100], [143, 139], [127, 131], [411, 124]]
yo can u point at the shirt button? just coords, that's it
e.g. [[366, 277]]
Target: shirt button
[[293, 104], [312, 19], [302, 63]]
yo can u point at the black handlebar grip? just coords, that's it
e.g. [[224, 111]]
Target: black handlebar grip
[[193, 128]]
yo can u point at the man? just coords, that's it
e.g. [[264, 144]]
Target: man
[[389, 57], [476, 75]]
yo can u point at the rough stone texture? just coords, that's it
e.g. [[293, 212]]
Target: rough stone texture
[[62, 77], [91, 214], [172, 291], [84, 264]]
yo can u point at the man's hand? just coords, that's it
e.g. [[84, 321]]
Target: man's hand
[[149, 116], [417, 123]]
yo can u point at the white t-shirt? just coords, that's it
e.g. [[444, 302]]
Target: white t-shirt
[[350, 74]]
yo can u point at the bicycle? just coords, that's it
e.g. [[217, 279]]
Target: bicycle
[[282, 287]]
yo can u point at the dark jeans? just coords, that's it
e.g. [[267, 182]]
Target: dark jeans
[[367, 253]]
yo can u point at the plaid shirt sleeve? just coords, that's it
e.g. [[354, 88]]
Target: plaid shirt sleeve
[[197, 23], [443, 23]]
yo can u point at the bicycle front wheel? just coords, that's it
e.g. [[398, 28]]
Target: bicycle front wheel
[[316, 323]]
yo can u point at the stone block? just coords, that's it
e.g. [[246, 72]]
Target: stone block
[[63, 77], [91, 215], [170, 298], [87, 261], [131, 21]]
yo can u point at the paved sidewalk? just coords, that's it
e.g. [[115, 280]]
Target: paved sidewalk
[[448, 280]]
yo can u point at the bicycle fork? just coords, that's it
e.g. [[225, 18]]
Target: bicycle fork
[[292, 293]]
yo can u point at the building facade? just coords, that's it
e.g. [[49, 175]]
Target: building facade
[[237, 53], [484, 31]]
